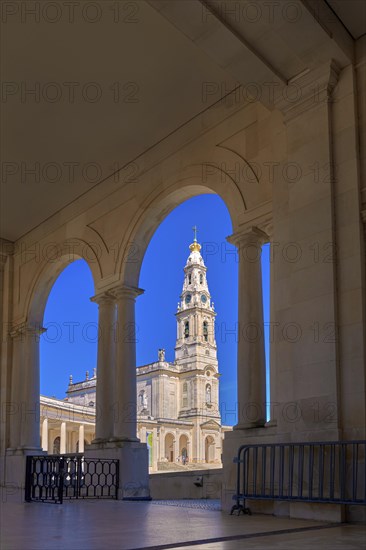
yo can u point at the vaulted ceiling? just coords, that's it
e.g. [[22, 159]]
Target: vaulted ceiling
[[82, 98]]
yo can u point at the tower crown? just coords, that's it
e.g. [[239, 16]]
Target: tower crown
[[195, 292]]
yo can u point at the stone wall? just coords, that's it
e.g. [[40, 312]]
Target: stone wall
[[180, 485]]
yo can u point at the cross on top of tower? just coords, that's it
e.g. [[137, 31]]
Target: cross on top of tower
[[195, 246]]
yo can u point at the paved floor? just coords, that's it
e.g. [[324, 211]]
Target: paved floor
[[118, 525]]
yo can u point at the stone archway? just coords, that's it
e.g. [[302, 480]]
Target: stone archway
[[161, 203], [169, 447], [183, 448], [209, 449], [25, 389]]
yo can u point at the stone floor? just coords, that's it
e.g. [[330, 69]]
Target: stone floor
[[118, 525]]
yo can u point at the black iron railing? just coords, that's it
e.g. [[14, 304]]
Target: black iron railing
[[51, 478], [324, 472]]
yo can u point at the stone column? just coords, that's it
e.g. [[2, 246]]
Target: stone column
[[45, 434], [16, 389], [155, 449], [25, 388], [125, 413], [251, 358], [30, 436], [63, 438], [106, 367], [81, 438], [176, 446]]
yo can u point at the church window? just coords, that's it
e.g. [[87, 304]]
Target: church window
[[189, 279], [208, 394], [201, 278], [186, 329], [205, 331], [143, 399]]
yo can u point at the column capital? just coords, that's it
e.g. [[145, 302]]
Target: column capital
[[251, 235], [6, 250], [128, 292], [24, 329], [102, 298], [308, 90]]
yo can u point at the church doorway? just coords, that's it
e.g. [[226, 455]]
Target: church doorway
[[183, 448], [56, 446], [209, 449], [169, 447]]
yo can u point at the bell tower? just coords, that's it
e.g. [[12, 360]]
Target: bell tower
[[195, 350], [195, 315]]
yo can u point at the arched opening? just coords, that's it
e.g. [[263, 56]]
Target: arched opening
[[69, 344], [205, 330], [209, 449], [56, 446], [68, 350], [183, 449], [208, 394], [165, 256], [169, 447]]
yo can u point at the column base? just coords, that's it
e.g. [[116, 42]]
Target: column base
[[133, 465], [271, 424], [249, 425], [123, 439], [13, 479]]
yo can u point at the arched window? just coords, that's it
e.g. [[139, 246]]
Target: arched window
[[186, 329], [201, 278], [189, 279], [208, 394], [143, 399], [205, 331], [56, 446]]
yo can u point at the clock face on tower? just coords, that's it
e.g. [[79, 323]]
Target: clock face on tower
[[203, 298], [188, 298]]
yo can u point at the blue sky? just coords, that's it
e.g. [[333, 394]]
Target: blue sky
[[70, 344]]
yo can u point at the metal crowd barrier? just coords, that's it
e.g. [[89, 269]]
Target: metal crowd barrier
[[317, 472], [51, 478]]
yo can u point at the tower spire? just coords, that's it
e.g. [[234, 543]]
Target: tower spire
[[195, 246]]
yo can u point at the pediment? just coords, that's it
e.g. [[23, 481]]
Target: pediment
[[211, 424]]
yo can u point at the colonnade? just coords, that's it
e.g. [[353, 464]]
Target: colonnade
[[71, 436], [116, 416]]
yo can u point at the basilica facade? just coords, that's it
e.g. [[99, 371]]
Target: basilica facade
[[178, 414]]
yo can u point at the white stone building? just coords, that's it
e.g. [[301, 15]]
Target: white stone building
[[178, 412]]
